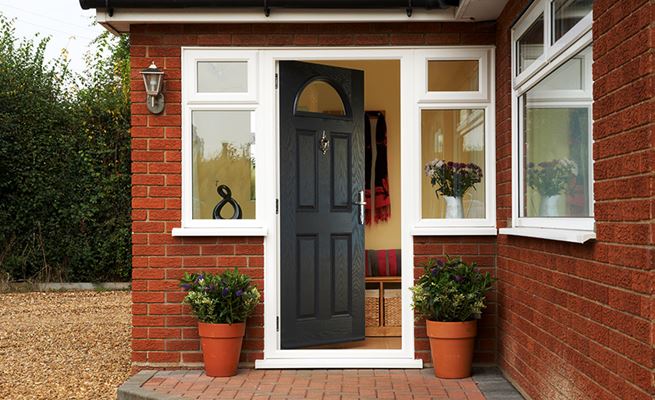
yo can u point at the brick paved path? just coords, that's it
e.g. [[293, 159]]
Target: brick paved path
[[313, 384]]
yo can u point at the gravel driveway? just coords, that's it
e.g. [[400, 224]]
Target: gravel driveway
[[64, 345]]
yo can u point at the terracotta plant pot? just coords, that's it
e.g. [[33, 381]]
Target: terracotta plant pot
[[451, 345], [221, 347]]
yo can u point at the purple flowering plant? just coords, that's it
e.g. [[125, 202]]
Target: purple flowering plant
[[225, 298], [452, 178], [450, 291]]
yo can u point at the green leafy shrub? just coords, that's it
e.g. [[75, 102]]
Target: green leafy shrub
[[64, 163], [220, 298], [451, 291]]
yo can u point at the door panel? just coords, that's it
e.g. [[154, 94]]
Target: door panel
[[321, 238]]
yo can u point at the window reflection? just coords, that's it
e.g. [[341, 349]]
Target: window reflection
[[567, 13], [222, 76], [453, 75], [223, 154], [556, 167], [320, 97], [530, 45], [456, 137]]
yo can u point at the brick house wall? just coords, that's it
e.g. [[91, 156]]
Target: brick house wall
[[164, 334], [576, 320], [478, 249]]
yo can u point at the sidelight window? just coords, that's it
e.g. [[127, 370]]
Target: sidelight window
[[455, 165]]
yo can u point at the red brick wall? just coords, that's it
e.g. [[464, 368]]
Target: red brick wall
[[478, 249], [576, 320], [164, 335]]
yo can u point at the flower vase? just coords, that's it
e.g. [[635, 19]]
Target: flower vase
[[549, 206], [454, 207]]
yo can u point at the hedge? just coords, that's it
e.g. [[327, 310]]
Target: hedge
[[64, 163]]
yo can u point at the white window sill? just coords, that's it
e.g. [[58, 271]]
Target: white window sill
[[454, 231], [231, 231], [564, 235]]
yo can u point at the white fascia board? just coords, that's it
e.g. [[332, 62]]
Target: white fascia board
[[479, 10], [121, 19]]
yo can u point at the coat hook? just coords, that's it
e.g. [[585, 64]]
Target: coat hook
[[267, 9]]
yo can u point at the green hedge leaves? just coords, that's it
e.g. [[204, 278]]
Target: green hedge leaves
[[64, 163]]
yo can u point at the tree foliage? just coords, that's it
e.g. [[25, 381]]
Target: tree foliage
[[64, 162]]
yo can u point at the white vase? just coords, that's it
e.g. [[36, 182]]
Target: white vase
[[454, 207], [549, 206]]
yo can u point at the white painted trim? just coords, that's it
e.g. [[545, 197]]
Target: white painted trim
[[267, 222], [323, 363], [564, 235], [236, 231], [273, 355], [122, 18]]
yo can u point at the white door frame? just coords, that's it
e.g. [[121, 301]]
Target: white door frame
[[263, 100], [274, 357]]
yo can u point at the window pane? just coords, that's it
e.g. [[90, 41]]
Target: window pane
[[530, 45], [452, 153], [223, 76], [556, 142], [453, 75], [567, 13], [223, 154], [320, 97]]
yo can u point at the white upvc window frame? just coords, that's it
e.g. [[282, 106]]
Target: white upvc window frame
[[574, 229], [193, 100], [481, 99]]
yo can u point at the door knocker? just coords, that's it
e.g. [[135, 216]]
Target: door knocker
[[324, 143], [226, 194]]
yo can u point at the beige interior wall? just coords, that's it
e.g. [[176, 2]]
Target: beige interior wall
[[382, 93]]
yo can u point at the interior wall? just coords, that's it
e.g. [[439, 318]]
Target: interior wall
[[382, 93]]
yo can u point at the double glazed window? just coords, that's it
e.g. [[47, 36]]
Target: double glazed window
[[552, 89], [455, 120], [219, 160]]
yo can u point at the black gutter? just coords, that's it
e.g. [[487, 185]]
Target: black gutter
[[267, 4]]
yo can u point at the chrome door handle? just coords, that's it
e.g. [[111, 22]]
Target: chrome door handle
[[361, 203]]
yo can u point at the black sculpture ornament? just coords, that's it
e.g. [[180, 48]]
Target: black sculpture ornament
[[226, 194]]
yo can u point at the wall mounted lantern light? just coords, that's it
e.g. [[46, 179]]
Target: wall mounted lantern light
[[153, 78]]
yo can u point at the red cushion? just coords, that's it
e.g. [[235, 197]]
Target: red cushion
[[383, 262]]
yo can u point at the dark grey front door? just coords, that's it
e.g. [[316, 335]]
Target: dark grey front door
[[321, 176]]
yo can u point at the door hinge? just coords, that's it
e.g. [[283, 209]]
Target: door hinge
[[276, 81], [277, 324], [277, 206]]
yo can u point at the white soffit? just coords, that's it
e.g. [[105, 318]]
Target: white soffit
[[479, 10], [120, 20]]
